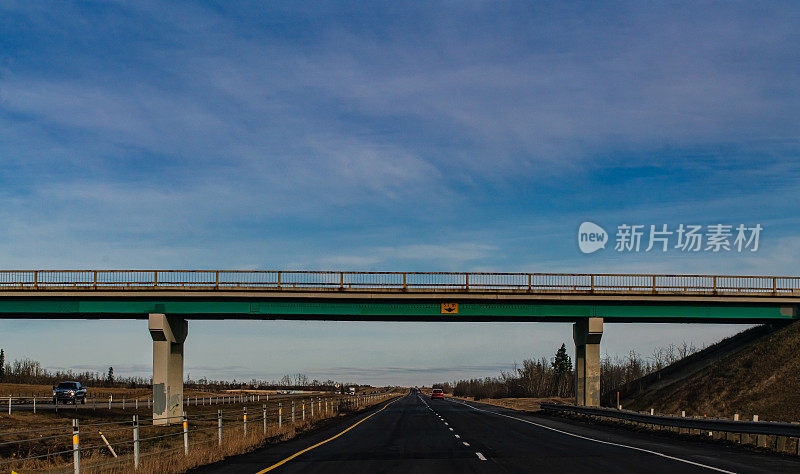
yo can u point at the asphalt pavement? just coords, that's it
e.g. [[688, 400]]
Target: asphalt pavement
[[416, 434]]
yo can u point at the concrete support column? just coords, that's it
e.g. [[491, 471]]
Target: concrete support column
[[168, 333], [587, 334], [580, 373]]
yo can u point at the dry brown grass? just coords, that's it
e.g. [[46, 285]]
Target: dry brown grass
[[762, 379], [171, 458], [203, 442], [520, 404], [234, 442]]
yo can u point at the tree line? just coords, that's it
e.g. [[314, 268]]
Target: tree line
[[555, 377], [28, 371], [298, 381]]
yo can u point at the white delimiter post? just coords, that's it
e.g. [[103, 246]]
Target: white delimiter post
[[587, 334], [76, 448], [219, 426], [168, 333], [136, 442]]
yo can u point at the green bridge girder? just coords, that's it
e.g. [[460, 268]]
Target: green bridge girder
[[390, 311]]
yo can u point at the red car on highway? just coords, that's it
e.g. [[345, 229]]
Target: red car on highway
[[437, 393]]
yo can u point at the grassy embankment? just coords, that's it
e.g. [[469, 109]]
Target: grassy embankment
[[760, 380]]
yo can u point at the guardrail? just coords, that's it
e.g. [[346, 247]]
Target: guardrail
[[761, 429], [399, 281]]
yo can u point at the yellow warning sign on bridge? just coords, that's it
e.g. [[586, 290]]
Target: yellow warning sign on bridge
[[449, 308]]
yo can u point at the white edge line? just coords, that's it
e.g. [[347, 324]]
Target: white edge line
[[667, 456]]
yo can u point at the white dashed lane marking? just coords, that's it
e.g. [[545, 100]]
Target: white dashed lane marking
[[480, 456], [608, 443]]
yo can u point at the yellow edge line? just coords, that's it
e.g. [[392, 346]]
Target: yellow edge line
[[278, 464]]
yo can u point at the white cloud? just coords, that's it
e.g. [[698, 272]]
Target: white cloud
[[451, 139]]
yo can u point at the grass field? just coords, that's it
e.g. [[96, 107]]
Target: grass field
[[49, 433], [45, 391], [522, 404]]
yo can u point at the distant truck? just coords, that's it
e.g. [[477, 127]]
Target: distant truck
[[351, 390], [69, 392]]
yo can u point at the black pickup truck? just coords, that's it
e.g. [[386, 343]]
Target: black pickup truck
[[69, 392]]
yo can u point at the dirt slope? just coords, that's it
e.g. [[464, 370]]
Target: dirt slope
[[762, 379]]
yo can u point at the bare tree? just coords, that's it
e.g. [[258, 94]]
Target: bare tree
[[301, 380]]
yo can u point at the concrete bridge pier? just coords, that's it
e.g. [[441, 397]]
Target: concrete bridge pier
[[587, 334], [168, 333]]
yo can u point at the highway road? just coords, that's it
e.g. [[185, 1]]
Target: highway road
[[415, 434]]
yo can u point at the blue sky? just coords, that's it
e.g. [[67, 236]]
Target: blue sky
[[387, 136]]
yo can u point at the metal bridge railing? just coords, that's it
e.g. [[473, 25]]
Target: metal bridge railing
[[600, 283]]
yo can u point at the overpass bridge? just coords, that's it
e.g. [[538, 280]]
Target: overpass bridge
[[168, 298]]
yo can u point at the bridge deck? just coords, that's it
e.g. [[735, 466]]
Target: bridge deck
[[444, 282], [387, 296]]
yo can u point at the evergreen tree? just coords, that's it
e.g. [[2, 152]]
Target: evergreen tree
[[2, 364], [562, 364], [110, 376]]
